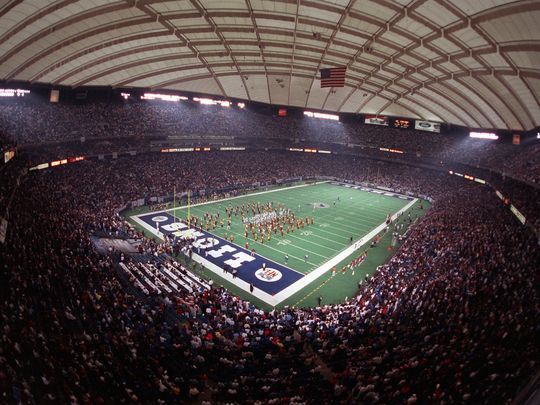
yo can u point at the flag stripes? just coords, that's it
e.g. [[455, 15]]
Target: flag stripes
[[333, 77]]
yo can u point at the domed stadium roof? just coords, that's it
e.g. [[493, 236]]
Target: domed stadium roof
[[472, 63]]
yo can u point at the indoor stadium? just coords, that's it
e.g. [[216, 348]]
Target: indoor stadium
[[270, 202]]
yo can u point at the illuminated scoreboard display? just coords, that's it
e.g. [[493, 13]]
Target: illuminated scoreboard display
[[402, 123]]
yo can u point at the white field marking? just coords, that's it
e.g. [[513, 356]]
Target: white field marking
[[360, 217], [315, 274], [148, 227], [358, 202], [315, 236], [353, 229], [280, 251], [311, 242], [367, 213], [236, 197], [339, 235], [290, 244], [161, 236], [328, 217], [343, 226], [301, 283], [307, 241], [263, 296], [323, 229], [360, 221], [153, 230]]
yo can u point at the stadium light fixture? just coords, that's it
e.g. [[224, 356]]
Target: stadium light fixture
[[483, 135]]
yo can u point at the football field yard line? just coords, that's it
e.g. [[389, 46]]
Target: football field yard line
[[332, 249], [311, 242], [315, 274], [277, 250], [268, 246], [361, 226], [359, 201], [241, 196], [320, 229], [291, 235], [161, 236], [263, 296], [290, 244], [358, 205], [359, 216]]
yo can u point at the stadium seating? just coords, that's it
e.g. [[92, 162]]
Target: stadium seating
[[451, 318], [33, 122]]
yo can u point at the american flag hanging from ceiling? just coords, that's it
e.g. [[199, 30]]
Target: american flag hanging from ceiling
[[333, 77]]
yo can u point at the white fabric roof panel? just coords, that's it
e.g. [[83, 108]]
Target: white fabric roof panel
[[148, 82], [142, 59], [279, 85], [510, 99], [415, 104], [73, 50], [525, 95], [316, 96], [234, 86], [479, 120], [413, 27], [399, 111], [476, 6], [354, 101], [433, 12], [336, 98], [374, 105], [205, 86], [462, 86], [88, 42], [526, 59], [450, 112], [258, 87], [382, 13], [298, 93], [518, 27]]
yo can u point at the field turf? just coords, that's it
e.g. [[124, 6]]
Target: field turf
[[340, 213]]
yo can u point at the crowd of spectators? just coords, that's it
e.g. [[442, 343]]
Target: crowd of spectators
[[32, 122], [452, 318]]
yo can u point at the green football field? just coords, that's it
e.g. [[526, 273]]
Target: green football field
[[340, 213]]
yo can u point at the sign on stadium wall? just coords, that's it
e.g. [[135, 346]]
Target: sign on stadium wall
[[427, 126], [376, 120]]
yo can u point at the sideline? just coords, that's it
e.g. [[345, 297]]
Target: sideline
[[238, 196], [276, 299]]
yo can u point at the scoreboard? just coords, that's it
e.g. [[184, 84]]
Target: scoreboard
[[402, 123]]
